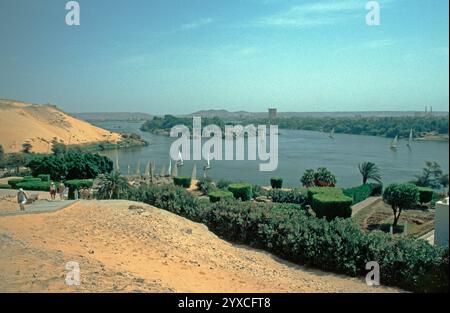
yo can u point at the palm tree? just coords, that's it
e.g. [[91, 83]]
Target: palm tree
[[112, 186], [368, 171]]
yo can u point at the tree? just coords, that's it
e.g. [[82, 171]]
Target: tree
[[369, 171], [320, 178], [308, 178], [2, 155], [401, 197], [26, 147], [112, 186], [16, 160], [58, 148], [432, 176]]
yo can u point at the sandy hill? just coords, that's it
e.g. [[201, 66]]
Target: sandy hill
[[37, 124], [143, 249]]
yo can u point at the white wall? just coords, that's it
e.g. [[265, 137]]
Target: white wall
[[441, 223]]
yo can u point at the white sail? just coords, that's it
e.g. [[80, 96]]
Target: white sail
[[394, 142], [410, 140], [332, 133]]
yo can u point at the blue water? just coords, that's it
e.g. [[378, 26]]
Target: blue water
[[298, 151]]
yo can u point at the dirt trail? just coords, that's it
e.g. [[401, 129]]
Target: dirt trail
[[149, 250]]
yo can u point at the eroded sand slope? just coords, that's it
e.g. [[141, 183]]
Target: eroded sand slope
[[38, 124], [150, 250]]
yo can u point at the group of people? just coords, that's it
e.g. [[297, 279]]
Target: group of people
[[62, 190]]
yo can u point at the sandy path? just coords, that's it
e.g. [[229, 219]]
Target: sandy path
[[153, 251]]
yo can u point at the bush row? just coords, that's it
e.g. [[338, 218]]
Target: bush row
[[241, 191], [182, 181], [287, 196], [338, 246]]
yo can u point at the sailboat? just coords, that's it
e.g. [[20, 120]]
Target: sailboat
[[332, 134], [394, 143], [410, 140], [180, 161]]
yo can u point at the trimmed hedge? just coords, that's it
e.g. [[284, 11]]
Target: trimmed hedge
[[241, 191], [359, 193], [332, 206], [182, 181], [5, 186], [34, 185], [31, 178], [338, 246], [328, 190], [77, 184], [14, 181], [377, 189], [216, 196], [285, 196], [44, 177], [425, 195], [276, 182]]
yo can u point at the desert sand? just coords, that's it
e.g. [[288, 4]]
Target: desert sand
[[143, 250], [22, 122]]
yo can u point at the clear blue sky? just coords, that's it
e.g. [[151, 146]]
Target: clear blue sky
[[179, 56]]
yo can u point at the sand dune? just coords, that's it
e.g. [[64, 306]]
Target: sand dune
[[38, 124], [143, 250]]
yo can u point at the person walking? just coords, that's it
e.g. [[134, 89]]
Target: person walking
[[22, 199], [52, 191], [61, 188]]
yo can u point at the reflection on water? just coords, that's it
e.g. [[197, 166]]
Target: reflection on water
[[298, 151]]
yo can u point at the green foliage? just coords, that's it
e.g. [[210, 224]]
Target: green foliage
[[285, 196], [276, 182], [26, 147], [31, 178], [377, 189], [369, 171], [328, 190], [432, 176], [359, 193], [425, 195], [206, 185], [72, 165], [5, 186], [77, 184], [168, 121], [338, 246], [320, 178], [331, 206], [182, 181], [58, 148], [16, 160], [257, 191], [44, 177], [216, 196], [241, 191], [34, 185], [223, 184], [2, 155], [14, 181], [112, 186], [401, 197]]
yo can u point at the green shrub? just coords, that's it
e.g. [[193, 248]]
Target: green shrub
[[223, 184], [5, 186], [206, 185], [257, 191], [339, 246], [276, 182], [34, 185], [285, 196], [44, 177], [316, 190], [359, 193], [182, 181], [77, 184], [216, 196], [14, 181], [31, 178], [331, 206], [241, 191], [377, 189], [425, 195]]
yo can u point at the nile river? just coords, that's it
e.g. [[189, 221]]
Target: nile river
[[297, 151]]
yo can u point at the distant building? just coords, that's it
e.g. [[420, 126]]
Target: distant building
[[441, 223], [272, 113]]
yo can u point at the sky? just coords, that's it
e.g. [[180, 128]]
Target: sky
[[180, 56]]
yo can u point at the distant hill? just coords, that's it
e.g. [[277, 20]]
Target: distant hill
[[112, 116], [246, 115], [37, 124]]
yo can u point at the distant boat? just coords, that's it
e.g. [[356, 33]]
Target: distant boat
[[180, 161], [410, 140], [394, 143], [332, 134]]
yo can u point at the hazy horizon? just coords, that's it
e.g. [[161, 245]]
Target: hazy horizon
[[179, 57]]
